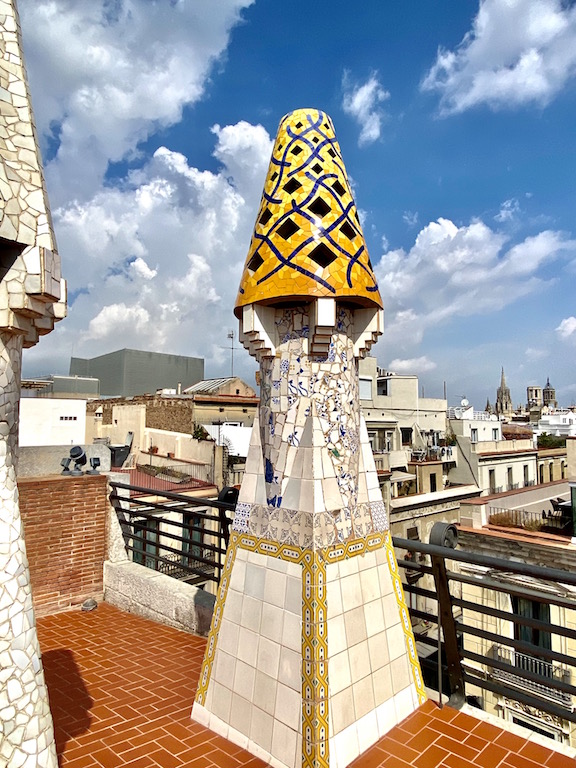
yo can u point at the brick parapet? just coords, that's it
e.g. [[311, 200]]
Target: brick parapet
[[65, 522]]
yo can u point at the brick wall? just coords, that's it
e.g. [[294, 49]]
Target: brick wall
[[65, 528]]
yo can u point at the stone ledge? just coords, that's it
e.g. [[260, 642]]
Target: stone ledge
[[144, 592]]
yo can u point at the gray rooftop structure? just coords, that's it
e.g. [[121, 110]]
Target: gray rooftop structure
[[128, 372]]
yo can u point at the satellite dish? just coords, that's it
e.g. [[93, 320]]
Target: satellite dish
[[464, 403]]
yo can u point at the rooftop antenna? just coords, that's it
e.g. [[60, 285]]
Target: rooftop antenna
[[231, 337]]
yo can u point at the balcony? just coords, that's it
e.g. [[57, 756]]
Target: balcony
[[556, 521], [511, 661]]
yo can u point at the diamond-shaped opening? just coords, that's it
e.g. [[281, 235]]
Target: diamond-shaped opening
[[331, 152], [338, 188], [287, 229], [291, 186], [317, 168], [315, 139], [319, 207], [326, 126], [296, 150], [255, 262], [274, 176], [357, 217], [279, 147], [298, 125], [266, 216], [348, 230], [322, 255]]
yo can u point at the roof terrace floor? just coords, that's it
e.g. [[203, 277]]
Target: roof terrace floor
[[121, 691]]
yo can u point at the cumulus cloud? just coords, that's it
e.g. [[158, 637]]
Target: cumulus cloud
[[508, 211], [362, 102], [567, 328], [125, 70], [155, 263], [453, 272], [414, 365], [517, 52]]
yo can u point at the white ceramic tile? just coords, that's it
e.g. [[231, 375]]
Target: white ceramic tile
[[341, 707], [221, 701], [247, 646], [400, 670], [345, 745], [292, 631], [378, 651], [351, 592], [261, 729], [396, 641], [200, 714], [367, 729], [386, 586], [355, 624], [340, 673], [272, 622], [284, 743], [233, 606], [268, 656], [224, 668], [403, 703], [254, 581], [333, 599], [386, 716], [374, 617], [240, 739], [228, 636], [265, 692], [275, 588], [359, 660], [363, 694], [290, 669], [288, 708], [238, 572], [293, 599], [370, 584], [218, 726], [251, 613], [240, 714], [336, 635], [244, 676]]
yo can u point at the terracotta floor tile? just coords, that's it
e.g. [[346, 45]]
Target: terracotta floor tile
[[118, 703]]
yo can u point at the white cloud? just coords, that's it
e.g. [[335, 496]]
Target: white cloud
[[508, 211], [155, 264], [105, 76], [453, 272], [567, 328], [410, 218], [362, 103], [414, 365], [532, 353], [517, 52]]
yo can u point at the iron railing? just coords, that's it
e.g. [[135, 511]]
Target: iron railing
[[543, 683], [172, 533]]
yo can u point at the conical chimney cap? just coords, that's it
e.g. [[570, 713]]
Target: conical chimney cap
[[307, 240]]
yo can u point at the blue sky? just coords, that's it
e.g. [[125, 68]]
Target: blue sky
[[456, 122]]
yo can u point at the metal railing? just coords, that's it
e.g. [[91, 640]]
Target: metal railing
[[173, 534], [552, 521], [465, 644]]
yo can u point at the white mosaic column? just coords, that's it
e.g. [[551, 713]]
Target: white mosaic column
[[26, 732], [32, 299], [311, 656]]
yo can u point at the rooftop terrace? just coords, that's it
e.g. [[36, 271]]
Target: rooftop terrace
[[121, 692]]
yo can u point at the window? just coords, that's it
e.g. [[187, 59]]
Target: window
[[433, 482], [191, 546], [382, 387], [509, 477], [473, 435], [365, 388], [495, 434], [388, 440], [406, 435], [145, 542], [492, 480], [532, 609]]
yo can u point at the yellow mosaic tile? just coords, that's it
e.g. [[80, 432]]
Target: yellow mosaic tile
[[307, 239]]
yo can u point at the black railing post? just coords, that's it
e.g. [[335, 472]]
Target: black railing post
[[448, 625]]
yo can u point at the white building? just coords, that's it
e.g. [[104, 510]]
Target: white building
[[52, 421]]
